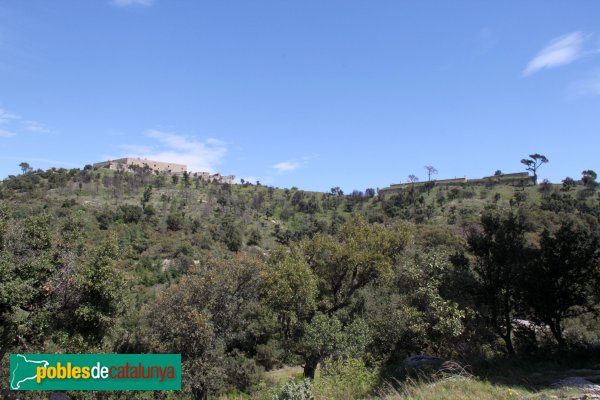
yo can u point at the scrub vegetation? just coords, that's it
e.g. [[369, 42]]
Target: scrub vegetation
[[272, 293]]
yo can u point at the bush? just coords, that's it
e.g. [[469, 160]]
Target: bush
[[254, 238], [270, 355], [242, 372], [301, 390], [131, 214], [175, 221], [345, 379], [105, 218]]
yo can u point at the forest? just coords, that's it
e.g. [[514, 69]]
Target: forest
[[271, 293]]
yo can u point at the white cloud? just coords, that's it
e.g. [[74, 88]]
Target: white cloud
[[5, 133], [127, 3], [197, 155], [13, 123], [586, 87], [34, 126], [286, 166], [560, 51], [6, 116]]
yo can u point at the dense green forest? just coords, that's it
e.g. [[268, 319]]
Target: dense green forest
[[288, 294]]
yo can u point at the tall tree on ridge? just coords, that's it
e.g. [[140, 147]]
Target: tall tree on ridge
[[533, 163]]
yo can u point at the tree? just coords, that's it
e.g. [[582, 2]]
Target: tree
[[25, 167], [146, 197], [430, 171], [533, 163], [413, 179], [186, 179], [203, 318], [588, 177], [131, 214], [231, 234], [290, 291], [175, 221], [254, 238], [545, 187], [568, 184], [336, 191], [561, 279], [88, 303], [418, 313], [312, 288], [501, 254], [26, 268]]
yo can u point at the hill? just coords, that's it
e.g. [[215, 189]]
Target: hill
[[347, 286]]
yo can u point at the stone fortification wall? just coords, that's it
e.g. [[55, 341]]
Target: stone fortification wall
[[514, 179], [206, 176], [163, 167], [160, 166]]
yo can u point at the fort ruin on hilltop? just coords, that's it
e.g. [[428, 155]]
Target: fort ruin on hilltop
[[161, 167], [514, 179]]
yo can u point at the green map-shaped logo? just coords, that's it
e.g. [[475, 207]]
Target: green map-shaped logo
[[23, 369]]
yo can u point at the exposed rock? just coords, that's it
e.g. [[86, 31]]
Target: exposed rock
[[421, 361], [166, 264], [577, 382]]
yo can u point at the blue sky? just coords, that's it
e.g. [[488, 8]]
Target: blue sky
[[312, 93]]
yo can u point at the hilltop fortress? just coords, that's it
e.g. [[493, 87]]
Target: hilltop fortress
[[161, 167], [513, 179]]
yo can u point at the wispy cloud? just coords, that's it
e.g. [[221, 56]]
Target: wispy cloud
[[34, 126], [585, 87], [5, 133], [286, 166], [560, 51], [13, 123], [6, 116], [127, 3], [293, 164], [197, 155]]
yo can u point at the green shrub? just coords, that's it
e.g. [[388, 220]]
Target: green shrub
[[254, 238], [131, 214], [105, 218], [345, 379], [301, 390], [175, 221]]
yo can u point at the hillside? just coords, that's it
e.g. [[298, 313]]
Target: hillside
[[347, 286]]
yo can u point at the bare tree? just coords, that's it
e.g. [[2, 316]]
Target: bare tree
[[430, 171]]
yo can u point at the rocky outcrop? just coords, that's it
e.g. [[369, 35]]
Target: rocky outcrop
[[421, 361]]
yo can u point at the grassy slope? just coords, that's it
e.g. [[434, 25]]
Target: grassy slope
[[202, 203]]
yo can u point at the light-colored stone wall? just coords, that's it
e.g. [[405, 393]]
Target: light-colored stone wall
[[514, 179], [164, 167], [159, 166]]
